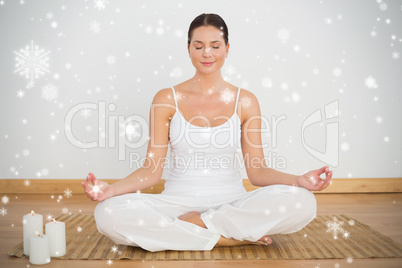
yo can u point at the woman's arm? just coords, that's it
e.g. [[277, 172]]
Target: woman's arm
[[151, 171], [258, 172], [311, 180]]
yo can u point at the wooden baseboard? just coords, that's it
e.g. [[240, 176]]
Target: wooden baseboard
[[58, 186]]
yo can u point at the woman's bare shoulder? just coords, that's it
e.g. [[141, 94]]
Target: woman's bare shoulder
[[164, 95], [164, 99], [249, 105], [183, 85], [247, 98], [245, 92]]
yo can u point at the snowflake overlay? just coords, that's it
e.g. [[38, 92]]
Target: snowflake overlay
[[245, 102], [68, 193], [32, 62], [370, 82], [230, 70], [95, 27], [3, 211], [335, 227], [100, 4], [131, 131], [49, 92], [5, 199], [227, 96], [283, 35]]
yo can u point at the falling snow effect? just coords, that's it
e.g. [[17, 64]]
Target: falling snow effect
[[54, 24], [52, 138], [111, 59], [345, 147], [95, 27], [49, 16], [229, 70], [68, 193], [337, 72], [3, 212], [328, 21], [32, 62], [45, 172], [335, 228], [370, 82], [176, 72], [86, 113], [4, 200], [266, 82], [283, 35], [20, 94], [130, 131], [245, 102], [49, 92], [227, 96], [382, 41], [100, 4]]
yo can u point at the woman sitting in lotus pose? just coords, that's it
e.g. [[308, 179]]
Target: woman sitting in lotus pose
[[206, 120]]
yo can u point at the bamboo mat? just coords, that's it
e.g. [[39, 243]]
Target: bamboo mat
[[315, 241]]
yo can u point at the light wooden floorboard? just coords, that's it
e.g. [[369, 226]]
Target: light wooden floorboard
[[382, 212]]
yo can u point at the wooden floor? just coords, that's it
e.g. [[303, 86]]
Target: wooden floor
[[382, 212]]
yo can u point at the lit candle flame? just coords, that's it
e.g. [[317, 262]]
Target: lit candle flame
[[37, 233], [32, 213], [54, 221]]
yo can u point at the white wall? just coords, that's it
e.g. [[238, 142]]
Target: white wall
[[296, 56]]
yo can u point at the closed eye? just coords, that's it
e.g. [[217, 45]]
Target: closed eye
[[197, 48]]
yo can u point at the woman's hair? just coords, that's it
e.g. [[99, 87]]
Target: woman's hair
[[207, 19]]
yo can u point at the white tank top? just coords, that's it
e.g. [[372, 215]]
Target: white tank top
[[204, 160]]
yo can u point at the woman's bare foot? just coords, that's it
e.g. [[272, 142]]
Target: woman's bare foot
[[195, 218], [227, 242]]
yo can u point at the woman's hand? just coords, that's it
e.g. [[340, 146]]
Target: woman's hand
[[97, 190], [312, 180]]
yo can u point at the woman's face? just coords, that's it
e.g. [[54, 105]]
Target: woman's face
[[207, 49]]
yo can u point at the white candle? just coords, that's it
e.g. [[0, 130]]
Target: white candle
[[39, 249], [31, 223], [56, 231]]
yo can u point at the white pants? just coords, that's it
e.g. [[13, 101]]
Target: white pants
[[150, 221]]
